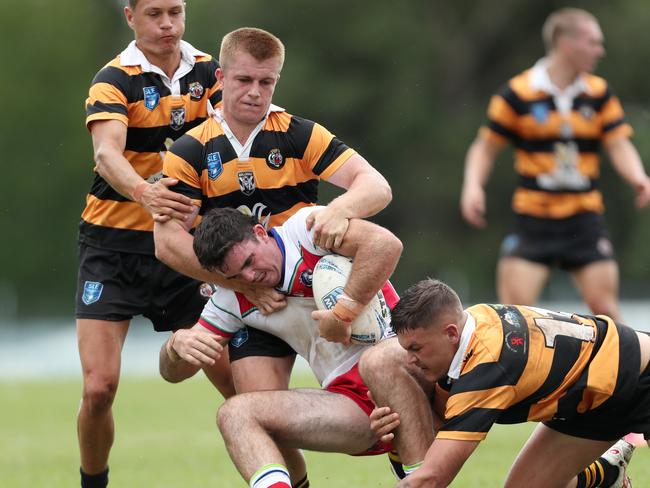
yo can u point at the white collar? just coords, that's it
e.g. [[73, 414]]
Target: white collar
[[459, 357], [540, 80], [133, 56], [242, 150]]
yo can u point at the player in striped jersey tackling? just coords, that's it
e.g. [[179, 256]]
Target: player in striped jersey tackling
[[585, 378]]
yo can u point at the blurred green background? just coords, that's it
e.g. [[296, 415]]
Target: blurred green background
[[406, 83]]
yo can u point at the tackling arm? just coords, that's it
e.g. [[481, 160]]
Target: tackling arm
[[367, 193], [109, 142]]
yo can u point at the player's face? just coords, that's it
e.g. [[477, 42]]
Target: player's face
[[158, 26], [430, 349], [257, 261], [248, 86], [586, 46]]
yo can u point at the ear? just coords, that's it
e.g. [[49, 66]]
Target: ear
[[219, 74], [260, 232], [452, 332], [128, 13]]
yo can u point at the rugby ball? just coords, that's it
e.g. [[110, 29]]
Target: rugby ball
[[329, 278]]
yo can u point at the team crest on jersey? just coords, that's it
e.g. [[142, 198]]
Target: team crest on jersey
[[206, 290], [195, 90], [215, 167], [151, 97], [275, 159], [330, 299], [177, 120], [92, 292], [306, 278], [587, 111], [246, 182], [516, 341], [540, 111]]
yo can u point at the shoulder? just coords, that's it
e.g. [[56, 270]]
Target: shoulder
[[598, 86]]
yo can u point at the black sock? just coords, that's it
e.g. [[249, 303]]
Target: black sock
[[303, 483], [99, 480]]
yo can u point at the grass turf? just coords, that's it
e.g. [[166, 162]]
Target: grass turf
[[166, 438]]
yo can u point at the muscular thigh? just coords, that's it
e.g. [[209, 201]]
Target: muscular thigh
[[551, 459], [100, 345], [256, 373], [312, 419]]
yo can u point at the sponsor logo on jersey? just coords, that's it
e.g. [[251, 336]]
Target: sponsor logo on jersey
[[195, 90], [246, 182], [177, 120], [215, 167], [206, 290], [516, 341], [540, 111], [587, 111], [92, 292], [275, 160], [151, 97]]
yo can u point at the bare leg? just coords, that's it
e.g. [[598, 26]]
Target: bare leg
[[257, 373], [598, 285], [384, 371], [551, 459], [520, 282], [100, 347], [254, 426]]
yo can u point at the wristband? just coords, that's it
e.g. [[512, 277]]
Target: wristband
[[169, 348], [139, 190], [344, 313]]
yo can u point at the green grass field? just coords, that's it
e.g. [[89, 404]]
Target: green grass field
[[167, 438]]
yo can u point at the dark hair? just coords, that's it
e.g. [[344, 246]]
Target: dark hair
[[425, 303], [219, 231]]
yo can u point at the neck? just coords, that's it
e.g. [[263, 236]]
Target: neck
[[241, 131], [560, 71], [167, 63]]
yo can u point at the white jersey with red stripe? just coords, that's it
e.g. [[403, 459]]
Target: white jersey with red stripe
[[228, 312]]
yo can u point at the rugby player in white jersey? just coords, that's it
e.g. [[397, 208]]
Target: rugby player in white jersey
[[255, 425]]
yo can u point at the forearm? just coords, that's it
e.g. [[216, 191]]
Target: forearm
[[174, 370], [479, 163], [118, 172], [626, 161]]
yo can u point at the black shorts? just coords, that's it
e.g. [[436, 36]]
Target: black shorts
[[615, 420], [117, 286], [566, 243], [253, 342]]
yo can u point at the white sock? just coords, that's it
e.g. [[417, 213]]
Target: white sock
[[271, 476]]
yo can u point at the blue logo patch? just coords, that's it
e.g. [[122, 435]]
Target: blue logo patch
[[215, 167], [151, 97], [240, 337], [92, 292], [540, 111], [332, 297]]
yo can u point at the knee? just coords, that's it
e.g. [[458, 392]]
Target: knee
[[232, 413], [99, 393], [381, 361]]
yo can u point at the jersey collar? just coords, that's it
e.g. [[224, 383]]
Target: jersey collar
[[280, 243], [540, 80], [465, 336]]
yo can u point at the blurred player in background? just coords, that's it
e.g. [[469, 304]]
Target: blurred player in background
[[557, 115], [150, 94]]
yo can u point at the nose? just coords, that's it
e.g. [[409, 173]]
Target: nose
[[411, 359], [254, 90], [165, 21], [248, 275]]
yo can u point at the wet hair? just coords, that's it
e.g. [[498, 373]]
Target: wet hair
[[219, 231], [260, 44], [428, 302], [564, 21]]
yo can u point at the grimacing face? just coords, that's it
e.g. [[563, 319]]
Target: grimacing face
[[248, 87], [257, 261], [158, 25], [430, 349]]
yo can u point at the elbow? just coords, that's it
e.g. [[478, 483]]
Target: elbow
[[101, 156]]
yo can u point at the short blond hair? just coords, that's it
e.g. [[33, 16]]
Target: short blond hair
[[260, 44], [564, 21]]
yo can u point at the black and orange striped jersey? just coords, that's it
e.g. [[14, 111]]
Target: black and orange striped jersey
[[557, 140], [156, 111], [276, 175], [529, 364]]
